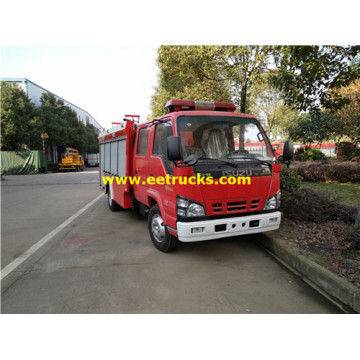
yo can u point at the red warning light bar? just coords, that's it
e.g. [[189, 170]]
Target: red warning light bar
[[183, 105]]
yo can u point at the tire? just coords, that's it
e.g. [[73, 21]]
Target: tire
[[113, 205], [160, 237]]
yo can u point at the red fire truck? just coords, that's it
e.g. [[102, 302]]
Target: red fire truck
[[262, 148], [201, 140]]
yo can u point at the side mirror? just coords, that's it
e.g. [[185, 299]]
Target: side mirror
[[174, 148], [288, 151]]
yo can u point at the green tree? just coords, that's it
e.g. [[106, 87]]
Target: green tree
[[244, 66], [284, 114], [268, 107], [349, 114], [20, 125], [56, 118], [221, 73], [313, 128], [188, 72], [158, 101], [306, 75], [64, 129], [91, 139]]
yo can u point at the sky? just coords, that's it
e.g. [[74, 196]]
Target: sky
[[107, 82], [102, 57]]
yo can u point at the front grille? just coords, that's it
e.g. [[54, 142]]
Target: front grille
[[254, 204], [232, 207], [236, 206], [217, 207]]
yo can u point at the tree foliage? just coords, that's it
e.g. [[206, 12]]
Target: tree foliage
[[22, 123], [212, 73], [268, 107], [349, 114], [64, 129], [313, 128], [244, 66], [306, 75], [91, 142], [341, 124], [188, 72], [19, 120], [274, 83]]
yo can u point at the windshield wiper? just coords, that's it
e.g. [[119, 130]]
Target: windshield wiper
[[249, 159], [235, 164], [258, 161]]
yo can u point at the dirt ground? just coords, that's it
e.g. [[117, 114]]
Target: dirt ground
[[325, 244]]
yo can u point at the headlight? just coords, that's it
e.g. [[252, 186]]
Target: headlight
[[273, 202], [188, 208], [182, 203], [195, 210]]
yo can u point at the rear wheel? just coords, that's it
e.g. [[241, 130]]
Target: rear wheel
[[160, 237], [113, 205]]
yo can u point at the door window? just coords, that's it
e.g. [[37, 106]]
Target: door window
[[162, 132], [143, 141]]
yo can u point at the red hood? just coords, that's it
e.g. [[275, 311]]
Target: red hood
[[231, 199], [226, 199]]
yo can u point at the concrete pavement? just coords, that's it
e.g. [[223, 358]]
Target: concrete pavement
[[104, 262]]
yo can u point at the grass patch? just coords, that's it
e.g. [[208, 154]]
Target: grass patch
[[347, 193]]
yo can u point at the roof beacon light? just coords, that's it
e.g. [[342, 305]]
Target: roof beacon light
[[185, 105], [204, 105]]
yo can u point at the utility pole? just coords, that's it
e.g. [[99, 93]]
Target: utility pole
[[44, 136]]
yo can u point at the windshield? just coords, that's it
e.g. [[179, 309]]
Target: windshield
[[223, 137]]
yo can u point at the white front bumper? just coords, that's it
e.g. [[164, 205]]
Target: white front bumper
[[215, 229]]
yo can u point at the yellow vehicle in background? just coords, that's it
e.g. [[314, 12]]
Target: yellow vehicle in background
[[71, 160]]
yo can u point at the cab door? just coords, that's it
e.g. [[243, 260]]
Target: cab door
[[141, 164], [162, 170]]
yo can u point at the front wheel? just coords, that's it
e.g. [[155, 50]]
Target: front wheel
[[160, 237]]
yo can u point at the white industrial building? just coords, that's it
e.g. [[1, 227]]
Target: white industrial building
[[35, 91]]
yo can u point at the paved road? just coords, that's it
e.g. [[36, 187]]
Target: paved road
[[104, 262]]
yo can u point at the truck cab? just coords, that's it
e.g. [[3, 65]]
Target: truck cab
[[189, 196]]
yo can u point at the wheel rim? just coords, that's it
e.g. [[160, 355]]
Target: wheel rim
[[158, 228]]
